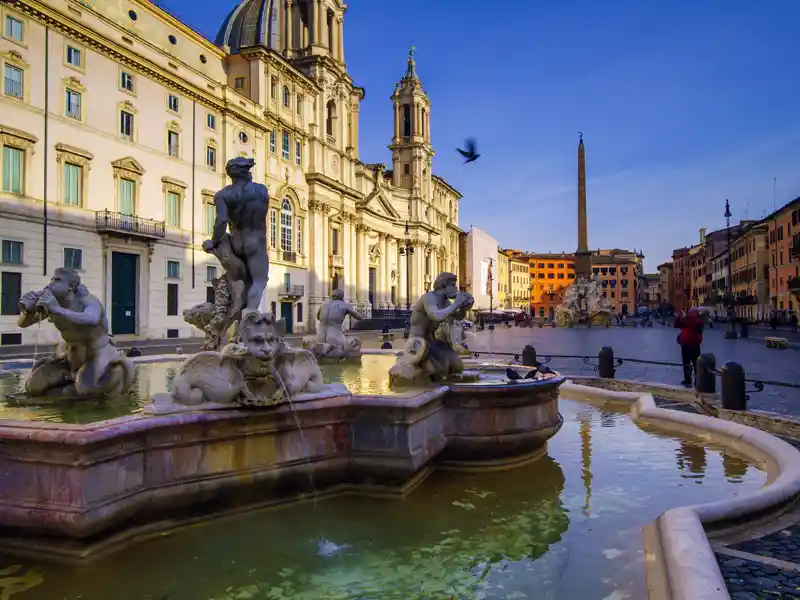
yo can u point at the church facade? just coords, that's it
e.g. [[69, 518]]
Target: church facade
[[116, 121]]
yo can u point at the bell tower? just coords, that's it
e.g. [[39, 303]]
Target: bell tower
[[411, 148]]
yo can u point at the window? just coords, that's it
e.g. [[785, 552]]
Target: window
[[73, 105], [126, 81], [211, 215], [287, 281], [406, 169], [299, 311], [13, 169], [73, 184], [173, 103], [273, 87], [73, 258], [172, 299], [74, 57], [211, 273], [173, 143], [273, 228], [243, 137], [173, 210], [127, 199], [211, 157], [14, 28], [173, 269], [286, 97], [211, 121], [13, 82], [299, 104], [285, 145], [298, 152], [299, 235], [335, 242], [11, 253], [406, 120], [126, 124], [238, 83], [330, 118], [10, 293], [286, 225], [272, 141], [210, 294]]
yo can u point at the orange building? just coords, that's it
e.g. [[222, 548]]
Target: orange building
[[617, 278], [784, 258], [550, 274]]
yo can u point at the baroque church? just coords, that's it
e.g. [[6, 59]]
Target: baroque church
[[111, 167]]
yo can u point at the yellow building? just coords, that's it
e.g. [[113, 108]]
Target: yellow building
[[520, 280], [503, 280], [113, 170], [750, 270]]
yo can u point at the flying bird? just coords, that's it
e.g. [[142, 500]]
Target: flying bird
[[470, 154]]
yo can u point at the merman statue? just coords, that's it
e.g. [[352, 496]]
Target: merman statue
[[331, 341]]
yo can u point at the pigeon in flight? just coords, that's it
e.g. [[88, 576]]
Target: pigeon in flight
[[470, 154]]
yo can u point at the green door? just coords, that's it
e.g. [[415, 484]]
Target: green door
[[286, 315], [124, 275]]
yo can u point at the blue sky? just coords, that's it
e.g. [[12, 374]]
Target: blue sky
[[682, 105]]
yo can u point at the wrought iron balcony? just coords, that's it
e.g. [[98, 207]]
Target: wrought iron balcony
[[118, 223], [336, 260], [292, 291]]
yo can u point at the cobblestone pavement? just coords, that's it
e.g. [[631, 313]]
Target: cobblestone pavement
[[754, 580], [654, 343]]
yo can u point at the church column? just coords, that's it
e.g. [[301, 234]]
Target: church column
[[325, 238], [288, 26], [319, 24], [312, 22], [387, 275], [354, 115], [359, 261], [316, 254], [396, 122], [347, 257], [340, 37], [333, 36]]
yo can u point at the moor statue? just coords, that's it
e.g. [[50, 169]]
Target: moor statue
[[87, 362], [331, 341], [241, 221], [428, 358]]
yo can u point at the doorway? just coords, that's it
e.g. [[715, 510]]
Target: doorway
[[286, 315], [372, 276], [124, 277]]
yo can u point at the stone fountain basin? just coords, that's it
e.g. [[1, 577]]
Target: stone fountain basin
[[73, 491]]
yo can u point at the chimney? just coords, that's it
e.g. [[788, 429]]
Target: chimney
[[702, 235]]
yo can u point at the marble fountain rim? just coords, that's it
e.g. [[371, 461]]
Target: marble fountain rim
[[681, 563]]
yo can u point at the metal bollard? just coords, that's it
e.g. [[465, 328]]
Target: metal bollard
[[705, 382], [134, 352], [605, 362], [529, 356], [732, 386], [744, 329]]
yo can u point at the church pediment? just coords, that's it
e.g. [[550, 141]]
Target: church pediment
[[379, 205]]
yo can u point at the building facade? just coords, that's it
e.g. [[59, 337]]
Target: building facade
[[650, 292], [114, 141], [750, 269], [520, 278], [550, 274], [784, 258], [618, 281], [503, 280], [666, 286], [481, 266]]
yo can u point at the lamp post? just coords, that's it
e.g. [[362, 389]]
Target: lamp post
[[730, 332], [491, 290], [407, 250]]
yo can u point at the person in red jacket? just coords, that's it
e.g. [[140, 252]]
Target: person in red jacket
[[690, 339]]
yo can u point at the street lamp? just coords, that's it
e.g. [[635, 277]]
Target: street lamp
[[407, 250], [730, 332]]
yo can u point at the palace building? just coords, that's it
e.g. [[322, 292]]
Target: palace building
[[117, 120]]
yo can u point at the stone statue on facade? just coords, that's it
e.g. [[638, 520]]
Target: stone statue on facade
[[86, 362], [330, 341], [256, 369], [427, 357], [583, 303], [239, 241]]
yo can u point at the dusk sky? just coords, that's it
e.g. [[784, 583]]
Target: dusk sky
[[682, 104]]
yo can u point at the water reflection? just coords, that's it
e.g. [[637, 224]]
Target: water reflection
[[735, 468], [692, 457]]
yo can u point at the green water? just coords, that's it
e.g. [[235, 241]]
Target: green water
[[371, 376], [565, 527]]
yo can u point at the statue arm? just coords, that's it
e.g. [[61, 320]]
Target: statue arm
[[440, 314], [353, 314], [91, 314], [221, 221]]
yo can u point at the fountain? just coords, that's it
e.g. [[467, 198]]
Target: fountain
[[583, 304]]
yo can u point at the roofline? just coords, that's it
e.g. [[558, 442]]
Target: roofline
[[450, 187], [185, 28], [777, 211]]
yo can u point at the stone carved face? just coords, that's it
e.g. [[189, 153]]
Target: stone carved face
[[261, 337]]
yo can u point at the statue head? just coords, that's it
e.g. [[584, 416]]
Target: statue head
[[337, 295], [64, 282], [259, 333], [239, 168], [446, 283]]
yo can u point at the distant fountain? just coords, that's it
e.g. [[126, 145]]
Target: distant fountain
[[330, 341], [583, 304]]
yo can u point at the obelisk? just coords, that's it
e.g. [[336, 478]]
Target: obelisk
[[583, 263]]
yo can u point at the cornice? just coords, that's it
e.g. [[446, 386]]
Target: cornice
[[61, 23], [333, 184]]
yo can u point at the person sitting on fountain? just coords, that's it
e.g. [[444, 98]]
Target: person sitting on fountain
[[91, 363], [426, 356]]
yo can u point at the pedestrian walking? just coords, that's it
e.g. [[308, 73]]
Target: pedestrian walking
[[793, 322], [690, 338]]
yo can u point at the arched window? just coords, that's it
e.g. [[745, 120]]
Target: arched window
[[286, 97], [424, 123], [330, 118], [286, 226]]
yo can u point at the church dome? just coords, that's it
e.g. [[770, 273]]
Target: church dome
[[251, 23]]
